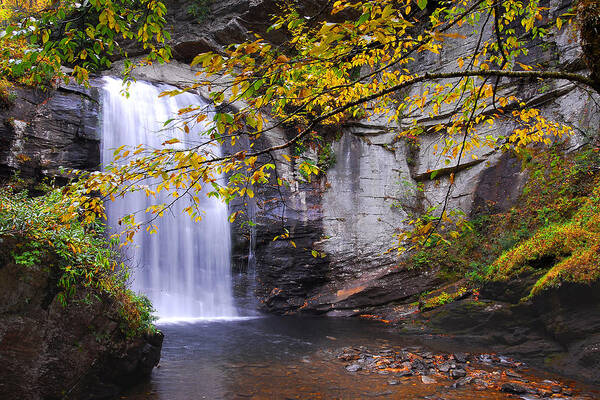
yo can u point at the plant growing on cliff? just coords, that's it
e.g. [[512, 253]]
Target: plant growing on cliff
[[547, 239], [199, 9], [34, 232], [7, 98], [353, 60]]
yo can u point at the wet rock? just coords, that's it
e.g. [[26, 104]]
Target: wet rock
[[485, 358], [566, 317], [461, 357], [462, 382], [347, 356], [428, 380], [392, 382], [444, 367], [458, 373], [404, 373], [479, 382], [512, 374], [353, 368], [544, 393], [512, 387], [556, 389], [378, 394], [419, 365]]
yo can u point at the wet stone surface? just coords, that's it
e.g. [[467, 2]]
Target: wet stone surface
[[494, 375]]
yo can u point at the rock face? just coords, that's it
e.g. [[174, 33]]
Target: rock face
[[218, 24], [350, 215], [48, 351], [377, 182], [44, 131]]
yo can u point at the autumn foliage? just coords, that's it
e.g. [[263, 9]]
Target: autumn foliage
[[353, 61]]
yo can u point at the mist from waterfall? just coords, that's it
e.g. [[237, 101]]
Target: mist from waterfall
[[185, 268]]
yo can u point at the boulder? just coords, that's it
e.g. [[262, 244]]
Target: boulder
[[79, 351]]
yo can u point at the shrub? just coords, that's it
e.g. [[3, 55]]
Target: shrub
[[42, 232], [199, 9], [7, 97]]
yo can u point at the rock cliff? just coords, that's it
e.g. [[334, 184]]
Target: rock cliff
[[351, 214], [45, 130]]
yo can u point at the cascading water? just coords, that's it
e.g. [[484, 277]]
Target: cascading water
[[185, 268]]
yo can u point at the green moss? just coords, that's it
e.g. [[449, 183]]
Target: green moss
[[567, 252], [441, 299], [552, 234], [566, 248]]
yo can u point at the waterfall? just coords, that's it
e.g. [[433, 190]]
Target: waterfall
[[185, 268]]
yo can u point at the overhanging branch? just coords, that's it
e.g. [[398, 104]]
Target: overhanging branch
[[557, 75]]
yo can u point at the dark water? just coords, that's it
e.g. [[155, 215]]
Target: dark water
[[286, 358], [230, 359], [270, 357]]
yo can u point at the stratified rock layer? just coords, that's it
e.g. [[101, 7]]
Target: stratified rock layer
[[46, 130]]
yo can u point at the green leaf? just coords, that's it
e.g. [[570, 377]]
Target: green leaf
[[422, 4], [363, 18]]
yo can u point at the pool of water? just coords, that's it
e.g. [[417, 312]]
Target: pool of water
[[253, 356], [269, 357]]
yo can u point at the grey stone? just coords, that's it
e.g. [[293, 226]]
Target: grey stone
[[458, 373], [44, 132], [444, 367], [353, 368], [511, 387], [427, 380]]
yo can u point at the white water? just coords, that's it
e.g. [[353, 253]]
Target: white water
[[185, 268]]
